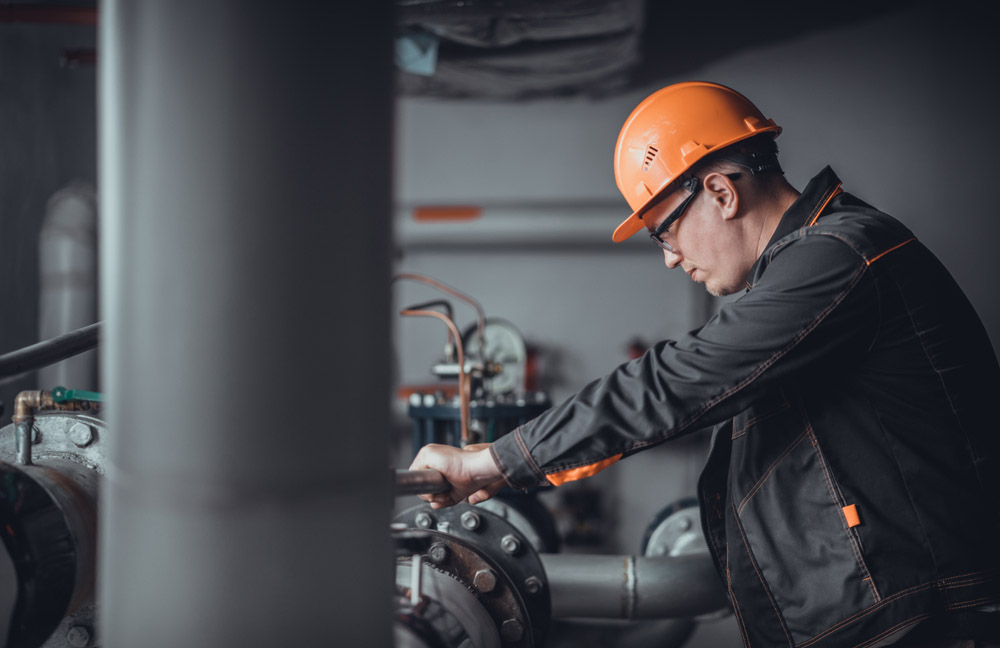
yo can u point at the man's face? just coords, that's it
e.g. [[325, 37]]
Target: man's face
[[706, 240]]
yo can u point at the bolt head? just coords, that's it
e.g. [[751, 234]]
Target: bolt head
[[511, 630], [484, 581], [81, 434], [470, 521], [437, 553], [423, 520], [78, 637], [684, 524], [510, 545], [533, 585]]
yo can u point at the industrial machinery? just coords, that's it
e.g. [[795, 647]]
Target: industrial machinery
[[491, 575], [51, 463], [488, 362]]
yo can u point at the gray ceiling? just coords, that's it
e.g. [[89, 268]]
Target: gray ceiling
[[520, 49]]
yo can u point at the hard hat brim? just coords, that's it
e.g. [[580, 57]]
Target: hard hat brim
[[627, 228]]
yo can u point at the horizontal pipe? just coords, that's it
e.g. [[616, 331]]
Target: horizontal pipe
[[50, 352], [41, 13], [627, 587], [419, 482]]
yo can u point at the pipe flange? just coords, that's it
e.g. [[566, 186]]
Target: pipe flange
[[514, 556], [484, 580]]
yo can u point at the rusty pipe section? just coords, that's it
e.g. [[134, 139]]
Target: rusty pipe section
[[25, 405], [629, 587]]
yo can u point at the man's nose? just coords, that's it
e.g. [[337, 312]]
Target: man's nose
[[672, 259]]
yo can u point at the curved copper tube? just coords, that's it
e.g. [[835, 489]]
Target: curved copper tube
[[480, 313], [463, 377]]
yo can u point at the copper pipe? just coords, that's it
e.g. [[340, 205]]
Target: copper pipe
[[480, 313], [463, 377], [24, 417], [36, 13]]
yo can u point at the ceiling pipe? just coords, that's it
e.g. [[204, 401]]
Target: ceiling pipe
[[40, 13]]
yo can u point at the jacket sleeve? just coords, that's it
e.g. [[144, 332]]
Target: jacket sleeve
[[815, 307]]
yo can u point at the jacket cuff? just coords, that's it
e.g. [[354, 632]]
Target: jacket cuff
[[515, 462]]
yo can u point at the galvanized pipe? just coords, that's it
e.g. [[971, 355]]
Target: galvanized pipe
[[629, 587], [245, 160]]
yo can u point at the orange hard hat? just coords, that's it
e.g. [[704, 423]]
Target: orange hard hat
[[669, 132]]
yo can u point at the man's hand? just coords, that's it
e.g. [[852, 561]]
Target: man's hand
[[471, 471]]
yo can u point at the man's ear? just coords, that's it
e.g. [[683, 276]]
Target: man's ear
[[723, 194]]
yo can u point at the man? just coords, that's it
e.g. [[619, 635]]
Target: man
[[851, 494]]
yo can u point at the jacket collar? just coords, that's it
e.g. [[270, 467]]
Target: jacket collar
[[803, 212]]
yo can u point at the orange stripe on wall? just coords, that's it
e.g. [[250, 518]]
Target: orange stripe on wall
[[573, 474], [432, 213]]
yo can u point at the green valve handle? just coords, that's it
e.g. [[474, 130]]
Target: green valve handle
[[63, 395]]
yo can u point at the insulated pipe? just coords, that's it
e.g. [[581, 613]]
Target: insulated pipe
[[245, 194], [67, 275], [626, 587], [48, 352]]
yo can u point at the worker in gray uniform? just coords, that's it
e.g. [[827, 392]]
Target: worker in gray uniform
[[852, 494]]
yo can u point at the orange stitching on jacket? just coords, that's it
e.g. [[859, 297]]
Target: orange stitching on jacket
[[770, 471], [858, 558], [764, 366], [522, 446], [760, 577], [896, 247], [865, 612], [759, 419], [853, 537], [974, 603], [815, 214], [732, 600], [962, 584], [885, 633]]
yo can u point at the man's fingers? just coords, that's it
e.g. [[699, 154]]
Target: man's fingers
[[487, 492]]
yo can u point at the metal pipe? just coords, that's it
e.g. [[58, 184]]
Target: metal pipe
[[239, 190], [41, 13], [25, 405], [464, 395], [50, 352], [67, 277], [627, 587], [420, 482]]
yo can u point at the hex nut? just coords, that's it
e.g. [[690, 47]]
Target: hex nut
[[510, 545], [423, 520], [78, 637], [80, 434], [533, 585], [470, 521], [511, 630], [437, 553], [484, 581]]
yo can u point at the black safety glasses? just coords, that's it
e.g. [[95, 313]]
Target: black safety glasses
[[693, 185]]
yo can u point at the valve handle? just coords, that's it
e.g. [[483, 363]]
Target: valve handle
[[63, 395]]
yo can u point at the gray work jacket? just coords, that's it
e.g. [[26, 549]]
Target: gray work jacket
[[852, 487]]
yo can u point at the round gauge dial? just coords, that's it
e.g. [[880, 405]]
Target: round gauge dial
[[502, 345]]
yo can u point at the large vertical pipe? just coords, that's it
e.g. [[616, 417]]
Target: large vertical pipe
[[245, 189]]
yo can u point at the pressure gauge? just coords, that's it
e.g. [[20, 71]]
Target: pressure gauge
[[503, 345]]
